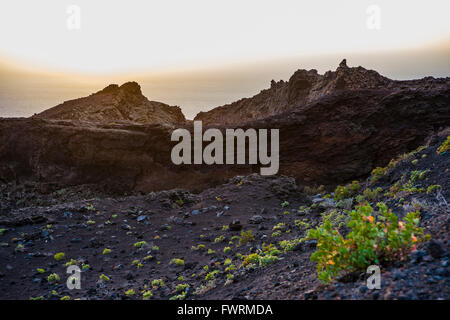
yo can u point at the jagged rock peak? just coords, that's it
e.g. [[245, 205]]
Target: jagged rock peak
[[131, 87], [343, 64]]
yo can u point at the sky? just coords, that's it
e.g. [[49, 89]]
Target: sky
[[77, 46]]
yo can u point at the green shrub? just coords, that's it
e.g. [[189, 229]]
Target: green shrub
[[246, 236], [104, 278], [219, 239], [181, 287], [130, 292], [53, 278], [432, 188], [147, 294], [344, 192], [178, 262], [59, 256], [71, 262], [211, 275], [140, 244], [445, 146], [370, 241], [158, 283]]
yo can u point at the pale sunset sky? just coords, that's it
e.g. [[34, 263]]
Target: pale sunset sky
[[199, 54]]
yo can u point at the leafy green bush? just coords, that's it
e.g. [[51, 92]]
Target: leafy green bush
[[371, 240]]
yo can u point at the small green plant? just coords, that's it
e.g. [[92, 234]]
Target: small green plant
[[130, 293], [106, 251], [104, 278], [211, 275], [371, 240], [178, 262], [155, 248], [219, 239], [37, 298], [301, 224], [344, 192], [180, 296], [59, 256], [40, 270], [433, 188], [226, 250], [246, 236], [65, 298], [2, 231], [289, 245], [284, 204], [147, 294], [149, 257], [53, 278], [211, 251], [158, 283], [72, 262], [267, 259], [182, 287], [444, 147], [137, 264], [85, 266], [140, 244], [90, 222]]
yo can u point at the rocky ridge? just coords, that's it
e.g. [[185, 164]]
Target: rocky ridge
[[306, 87], [124, 103]]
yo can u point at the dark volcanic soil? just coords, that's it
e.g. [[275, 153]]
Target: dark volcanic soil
[[39, 222]]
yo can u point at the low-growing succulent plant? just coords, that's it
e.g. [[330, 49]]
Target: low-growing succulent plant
[[178, 262], [71, 262], [130, 292], [140, 244], [147, 294], [246, 236], [211, 275], [59, 256], [53, 278], [158, 283], [104, 278]]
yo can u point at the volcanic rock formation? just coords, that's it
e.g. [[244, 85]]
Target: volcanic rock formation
[[114, 103], [306, 87], [333, 128]]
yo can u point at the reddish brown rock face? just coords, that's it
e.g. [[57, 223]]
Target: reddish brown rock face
[[327, 136]]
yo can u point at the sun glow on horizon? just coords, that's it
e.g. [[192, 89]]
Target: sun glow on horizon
[[131, 37]]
